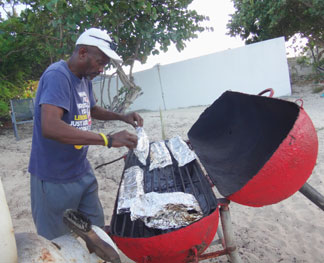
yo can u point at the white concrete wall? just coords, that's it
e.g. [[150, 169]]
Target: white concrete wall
[[200, 81]]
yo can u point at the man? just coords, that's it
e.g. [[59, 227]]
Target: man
[[61, 176]]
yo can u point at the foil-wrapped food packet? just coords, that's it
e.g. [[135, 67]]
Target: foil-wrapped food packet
[[159, 155], [143, 145], [181, 151], [166, 210], [130, 188]]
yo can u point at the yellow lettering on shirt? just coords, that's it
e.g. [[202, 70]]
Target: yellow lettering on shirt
[[80, 117]]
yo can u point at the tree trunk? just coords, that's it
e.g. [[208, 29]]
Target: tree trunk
[[132, 93], [102, 86], [108, 93]]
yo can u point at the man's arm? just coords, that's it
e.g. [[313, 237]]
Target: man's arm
[[132, 118], [53, 127]]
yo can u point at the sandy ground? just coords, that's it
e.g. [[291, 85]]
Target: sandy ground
[[290, 231]]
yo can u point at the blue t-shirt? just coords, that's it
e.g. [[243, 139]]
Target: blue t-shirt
[[51, 160]]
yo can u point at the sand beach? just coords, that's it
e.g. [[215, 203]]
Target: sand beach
[[289, 231]]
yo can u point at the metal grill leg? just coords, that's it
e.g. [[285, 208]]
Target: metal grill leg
[[228, 234], [221, 237], [226, 239]]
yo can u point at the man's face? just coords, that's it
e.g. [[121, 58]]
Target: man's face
[[95, 62]]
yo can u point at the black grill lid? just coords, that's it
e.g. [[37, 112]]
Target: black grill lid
[[237, 135]]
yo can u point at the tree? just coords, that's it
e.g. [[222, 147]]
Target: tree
[[18, 63], [47, 31], [257, 20]]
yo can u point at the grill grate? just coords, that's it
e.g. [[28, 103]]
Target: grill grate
[[187, 179]]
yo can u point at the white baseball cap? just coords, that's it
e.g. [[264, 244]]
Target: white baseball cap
[[100, 39]]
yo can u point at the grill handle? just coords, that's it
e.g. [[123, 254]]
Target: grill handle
[[267, 90], [312, 195]]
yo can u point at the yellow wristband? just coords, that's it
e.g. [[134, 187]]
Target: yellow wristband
[[78, 147], [104, 138]]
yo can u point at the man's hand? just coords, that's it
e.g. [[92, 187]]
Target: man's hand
[[124, 138], [133, 119]]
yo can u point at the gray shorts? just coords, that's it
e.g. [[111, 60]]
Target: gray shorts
[[50, 200]]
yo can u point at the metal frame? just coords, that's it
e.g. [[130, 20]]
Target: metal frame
[[226, 239]]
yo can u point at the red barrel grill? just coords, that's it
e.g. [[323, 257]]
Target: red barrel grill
[[143, 244], [256, 150]]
